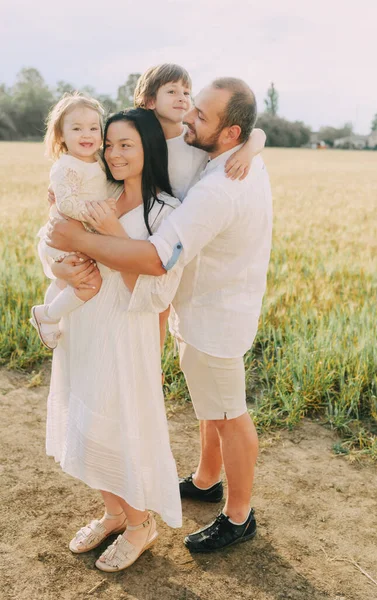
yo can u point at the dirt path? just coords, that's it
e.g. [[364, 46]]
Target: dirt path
[[311, 507]]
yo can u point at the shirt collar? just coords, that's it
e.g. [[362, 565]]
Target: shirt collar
[[219, 160]]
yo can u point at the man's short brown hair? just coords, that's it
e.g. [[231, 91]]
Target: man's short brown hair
[[242, 107], [150, 82]]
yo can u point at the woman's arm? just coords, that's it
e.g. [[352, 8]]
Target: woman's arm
[[101, 216]]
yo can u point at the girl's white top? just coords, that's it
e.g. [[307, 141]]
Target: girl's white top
[[75, 182]]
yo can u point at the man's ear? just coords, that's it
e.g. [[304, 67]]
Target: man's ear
[[234, 133]]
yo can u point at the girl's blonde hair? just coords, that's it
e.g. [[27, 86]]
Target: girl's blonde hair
[[54, 132]]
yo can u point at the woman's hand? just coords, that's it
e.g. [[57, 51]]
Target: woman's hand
[[101, 216], [78, 270]]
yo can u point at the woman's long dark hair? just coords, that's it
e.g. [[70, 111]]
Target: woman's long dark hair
[[155, 175]]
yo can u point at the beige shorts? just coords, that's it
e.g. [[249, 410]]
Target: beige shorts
[[216, 385]]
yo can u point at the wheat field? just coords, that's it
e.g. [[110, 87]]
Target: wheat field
[[316, 353]]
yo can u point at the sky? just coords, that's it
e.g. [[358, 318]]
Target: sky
[[320, 54]]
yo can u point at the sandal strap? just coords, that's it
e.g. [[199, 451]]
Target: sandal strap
[[142, 525], [113, 517]]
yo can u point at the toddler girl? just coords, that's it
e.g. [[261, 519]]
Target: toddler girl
[[73, 138]]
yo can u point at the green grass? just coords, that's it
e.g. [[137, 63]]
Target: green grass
[[315, 354]]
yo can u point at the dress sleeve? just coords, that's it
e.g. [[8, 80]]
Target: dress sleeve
[[155, 294]]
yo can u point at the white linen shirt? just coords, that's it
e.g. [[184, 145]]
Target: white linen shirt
[[225, 229]]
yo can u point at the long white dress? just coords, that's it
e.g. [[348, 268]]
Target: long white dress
[[106, 421]]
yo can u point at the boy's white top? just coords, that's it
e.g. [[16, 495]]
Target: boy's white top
[[185, 165], [225, 229]]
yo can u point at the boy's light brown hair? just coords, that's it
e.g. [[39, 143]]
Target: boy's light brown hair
[[54, 132], [150, 82]]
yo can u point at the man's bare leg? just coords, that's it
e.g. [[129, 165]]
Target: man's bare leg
[[210, 462], [239, 447]]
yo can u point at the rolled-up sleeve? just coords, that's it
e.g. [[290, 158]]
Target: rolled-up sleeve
[[206, 211], [155, 294]]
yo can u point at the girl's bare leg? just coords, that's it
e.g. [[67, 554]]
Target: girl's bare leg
[[114, 507], [135, 517]]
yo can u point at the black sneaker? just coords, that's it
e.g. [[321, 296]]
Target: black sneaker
[[221, 533], [188, 489]]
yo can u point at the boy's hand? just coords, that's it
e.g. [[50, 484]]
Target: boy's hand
[[238, 164]]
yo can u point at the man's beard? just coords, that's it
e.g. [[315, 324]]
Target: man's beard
[[209, 145]]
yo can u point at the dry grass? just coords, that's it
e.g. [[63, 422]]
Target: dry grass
[[316, 350]]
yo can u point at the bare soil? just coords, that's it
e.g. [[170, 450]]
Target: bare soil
[[317, 517]]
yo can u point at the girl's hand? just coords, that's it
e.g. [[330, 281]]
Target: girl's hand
[[78, 270], [238, 164], [101, 216]]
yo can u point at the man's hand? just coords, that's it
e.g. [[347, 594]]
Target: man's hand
[[64, 234], [78, 270]]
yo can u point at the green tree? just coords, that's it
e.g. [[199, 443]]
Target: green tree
[[283, 133], [125, 97], [32, 100], [62, 87], [272, 101], [89, 90], [108, 103], [330, 134], [374, 123], [8, 130]]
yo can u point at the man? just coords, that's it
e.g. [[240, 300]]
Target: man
[[223, 229]]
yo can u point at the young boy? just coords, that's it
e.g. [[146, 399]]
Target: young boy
[[166, 89]]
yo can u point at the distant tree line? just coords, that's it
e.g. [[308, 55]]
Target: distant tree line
[[25, 106]]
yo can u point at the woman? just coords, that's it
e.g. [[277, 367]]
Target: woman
[[106, 422]]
